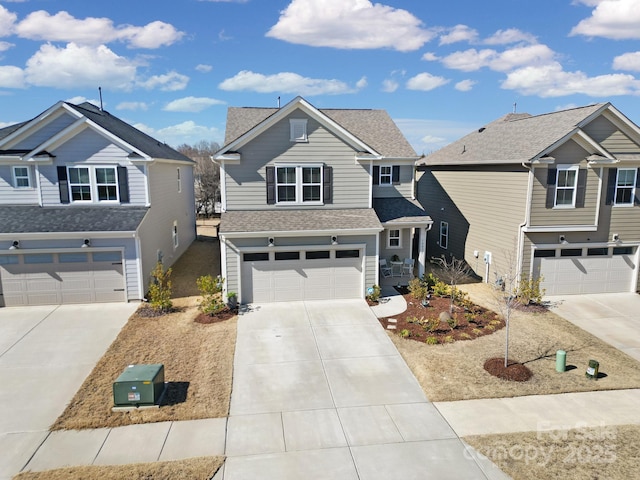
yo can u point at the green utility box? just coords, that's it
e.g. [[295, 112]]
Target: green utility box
[[139, 385]]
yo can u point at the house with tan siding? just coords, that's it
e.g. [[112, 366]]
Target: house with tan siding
[[555, 196], [312, 199], [88, 205]]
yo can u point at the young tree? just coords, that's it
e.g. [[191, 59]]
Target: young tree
[[454, 271], [506, 292], [206, 174]]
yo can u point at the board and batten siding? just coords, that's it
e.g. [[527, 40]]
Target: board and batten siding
[[610, 137], [9, 195], [246, 182], [404, 189], [166, 206], [45, 132], [483, 207]]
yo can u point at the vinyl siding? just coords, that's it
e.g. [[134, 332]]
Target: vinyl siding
[[607, 134], [45, 132], [568, 154], [17, 196], [246, 182], [405, 189], [406, 237], [167, 205], [483, 208]]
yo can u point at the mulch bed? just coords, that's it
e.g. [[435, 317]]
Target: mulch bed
[[414, 323], [514, 371], [225, 314]]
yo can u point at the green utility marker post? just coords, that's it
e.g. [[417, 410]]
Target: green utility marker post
[[561, 361]]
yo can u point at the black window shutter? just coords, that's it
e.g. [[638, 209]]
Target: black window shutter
[[582, 187], [611, 186], [395, 175], [551, 187], [63, 185], [636, 200], [271, 185], [123, 184], [327, 184], [376, 175]]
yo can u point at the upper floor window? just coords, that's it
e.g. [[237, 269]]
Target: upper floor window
[[79, 184], [106, 184], [566, 183], [625, 186], [93, 184], [179, 180], [174, 235], [444, 234], [21, 177], [394, 239], [298, 184], [298, 130], [386, 174]]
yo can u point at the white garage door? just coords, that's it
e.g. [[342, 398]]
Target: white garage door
[[59, 278], [289, 276], [588, 270]]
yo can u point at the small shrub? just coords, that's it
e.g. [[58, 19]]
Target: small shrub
[[432, 324], [528, 290], [470, 317], [374, 294], [465, 335], [405, 333], [495, 322], [418, 289], [476, 331], [210, 289], [489, 327], [463, 300], [449, 339], [431, 341], [452, 322], [441, 289], [160, 289], [430, 280]]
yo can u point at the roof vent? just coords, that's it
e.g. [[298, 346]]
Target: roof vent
[[481, 129]]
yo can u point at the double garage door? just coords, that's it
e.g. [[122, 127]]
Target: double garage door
[[571, 271], [298, 275], [59, 278]]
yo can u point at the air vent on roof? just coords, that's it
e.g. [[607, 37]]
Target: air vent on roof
[[481, 129]]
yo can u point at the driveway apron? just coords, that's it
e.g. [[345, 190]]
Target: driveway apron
[[320, 391]]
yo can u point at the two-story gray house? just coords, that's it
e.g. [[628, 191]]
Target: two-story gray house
[[554, 195], [88, 205], [312, 199]]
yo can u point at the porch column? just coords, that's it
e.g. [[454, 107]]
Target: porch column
[[422, 251]]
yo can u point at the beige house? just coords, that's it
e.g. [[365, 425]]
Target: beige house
[[556, 195]]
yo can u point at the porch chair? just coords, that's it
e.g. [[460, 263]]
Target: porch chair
[[384, 268], [407, 267]]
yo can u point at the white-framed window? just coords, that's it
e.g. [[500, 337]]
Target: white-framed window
[[298, 130], [21, 177], [174, 234], [386, 174], [444, 234], [625, 186], [394, 238], [299, 184], [93, 184], [566, 185], [179, 180]]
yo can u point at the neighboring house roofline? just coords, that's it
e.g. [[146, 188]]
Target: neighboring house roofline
[[302, 233]]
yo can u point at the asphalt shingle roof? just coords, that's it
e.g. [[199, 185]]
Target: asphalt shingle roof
[[373, 127], [515, 138], [400, 210], [298, 220], [24, 219]]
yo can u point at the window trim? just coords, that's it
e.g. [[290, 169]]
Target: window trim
[[393, 237], [93, 184], [16, 177], [631, 202], [299, 185], [179, 180], [444, 235], [574, 188], [175, 240], [385, 175], [298, 130]]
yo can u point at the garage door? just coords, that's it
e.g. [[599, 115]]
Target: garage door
[[587, 270], [58, 278], [289, 276]]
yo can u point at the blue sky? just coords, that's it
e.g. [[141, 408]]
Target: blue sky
[[440, 68]]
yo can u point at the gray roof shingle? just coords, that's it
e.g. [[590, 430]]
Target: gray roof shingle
[[400, 210], [25, 219], [515, 138], [373, 127], [298, 220]]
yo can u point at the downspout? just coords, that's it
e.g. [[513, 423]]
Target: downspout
[[38, 185], [527, 219], [223, 186], [136, 237]]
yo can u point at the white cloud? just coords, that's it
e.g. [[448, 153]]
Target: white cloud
[[426, 82], [430, 57], [510, 35], [77, 100], [77, 66], [472, 59], [191, 104], [11, 77], [168, 82], [7, 21], [203, 68], [552, 81], [64, 27], [469, 60], [389, 86], [135, 106], [627, 61], [459, 33], [465, 85], [362, 83], [426, 135], [186, 132], [615, 19], [349, 24], [4, 46], [284, 82]]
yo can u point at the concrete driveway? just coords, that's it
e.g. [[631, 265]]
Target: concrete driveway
[[45, 354], [612, 317]]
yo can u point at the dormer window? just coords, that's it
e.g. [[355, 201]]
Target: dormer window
[[21, 177], [298, 130]]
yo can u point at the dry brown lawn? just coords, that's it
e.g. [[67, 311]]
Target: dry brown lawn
[[455, 371], [198, 358], [199, 468], [609, 452]]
